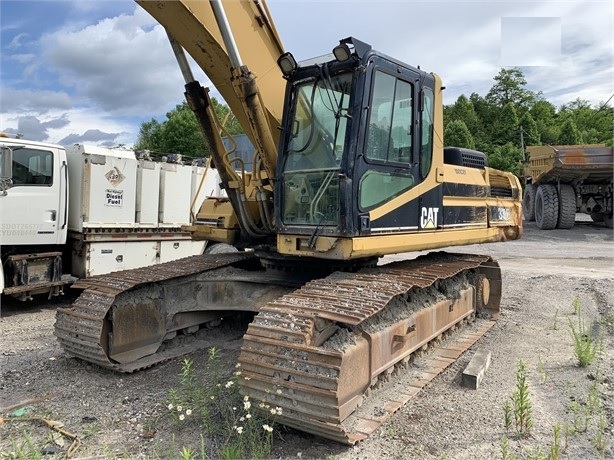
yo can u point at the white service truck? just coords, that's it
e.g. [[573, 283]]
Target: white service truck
[[80, 211]]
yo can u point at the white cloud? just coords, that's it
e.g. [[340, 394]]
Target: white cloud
[[17, 41], [118, 71]]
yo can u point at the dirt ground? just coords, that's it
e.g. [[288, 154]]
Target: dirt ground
[[547, 277]]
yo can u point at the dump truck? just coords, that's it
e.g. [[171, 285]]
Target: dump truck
[[562, 180], [83, 210], [349, 166]]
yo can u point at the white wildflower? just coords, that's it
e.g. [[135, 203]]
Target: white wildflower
[[238, 365], [240, 430], [229, 384], [181, 417], [248, 416], [267, 428], [278, 410], [242, 419], [247, 405], [179, 408], [245, 398], [188, 412], [170, 407], [278, 392]]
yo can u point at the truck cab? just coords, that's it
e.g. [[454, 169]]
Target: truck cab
[[33, 215]]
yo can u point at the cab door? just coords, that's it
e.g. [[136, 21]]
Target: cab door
[[387, 167], [33, 210]]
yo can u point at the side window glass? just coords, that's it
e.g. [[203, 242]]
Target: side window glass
[[32, 167], [389, 142], [389, 136], [376, 187], [426, 146]]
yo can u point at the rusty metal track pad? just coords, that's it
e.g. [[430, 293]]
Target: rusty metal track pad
[[82, 328], [329, 390]]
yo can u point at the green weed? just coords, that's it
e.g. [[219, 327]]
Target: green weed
[[585, 346], [521, 403], [234, 428]]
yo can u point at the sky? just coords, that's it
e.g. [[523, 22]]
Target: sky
[[88, 71]]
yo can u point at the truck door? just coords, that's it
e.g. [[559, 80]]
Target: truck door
[[33, 210]]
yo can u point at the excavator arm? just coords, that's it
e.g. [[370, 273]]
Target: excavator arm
[[201, 28], [237, 46]]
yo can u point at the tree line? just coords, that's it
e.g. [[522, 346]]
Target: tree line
[[510, 115], [497, 124]]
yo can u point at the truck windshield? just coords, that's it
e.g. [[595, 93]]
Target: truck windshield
[[314, 151]]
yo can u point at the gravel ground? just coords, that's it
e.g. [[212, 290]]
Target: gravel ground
[[123, 416]]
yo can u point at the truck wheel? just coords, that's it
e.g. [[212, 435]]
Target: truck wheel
[[567, 206], [546, 207], [528, 202], [597, 216], [607, 219]]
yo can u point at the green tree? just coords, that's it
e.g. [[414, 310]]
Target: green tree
[[507, 157], [463, 110], [569, 134], [506, 128], [509, 87], [180, 132], [529, 129], [149, 135], [457, 134], [544, 114], [594, 124]]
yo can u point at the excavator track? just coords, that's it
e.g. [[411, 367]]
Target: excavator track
[[326, 353], [128, 338]]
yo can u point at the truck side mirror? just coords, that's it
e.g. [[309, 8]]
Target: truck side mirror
[[6, 169]]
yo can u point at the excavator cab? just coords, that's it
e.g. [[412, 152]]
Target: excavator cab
[[361, 169], [359, 127]]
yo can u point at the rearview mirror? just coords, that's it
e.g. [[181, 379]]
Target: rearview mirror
[[6, 169]]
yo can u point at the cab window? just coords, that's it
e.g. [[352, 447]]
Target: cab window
[[389, 141], [32, 167]]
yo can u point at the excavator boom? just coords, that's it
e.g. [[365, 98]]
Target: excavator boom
[[193, 24]]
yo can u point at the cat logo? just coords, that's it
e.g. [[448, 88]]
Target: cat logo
[[428, 217]]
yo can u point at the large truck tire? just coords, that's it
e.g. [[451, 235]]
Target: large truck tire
[[546, 207], [567, 206], [528, 202]]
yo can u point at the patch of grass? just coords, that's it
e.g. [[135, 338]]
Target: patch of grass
[[505, 449], [576, 305], [585, 346], [26, 450], [234, 429], [521, 407]]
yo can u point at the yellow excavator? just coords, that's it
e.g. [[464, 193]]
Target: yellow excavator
[[349, 166]]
